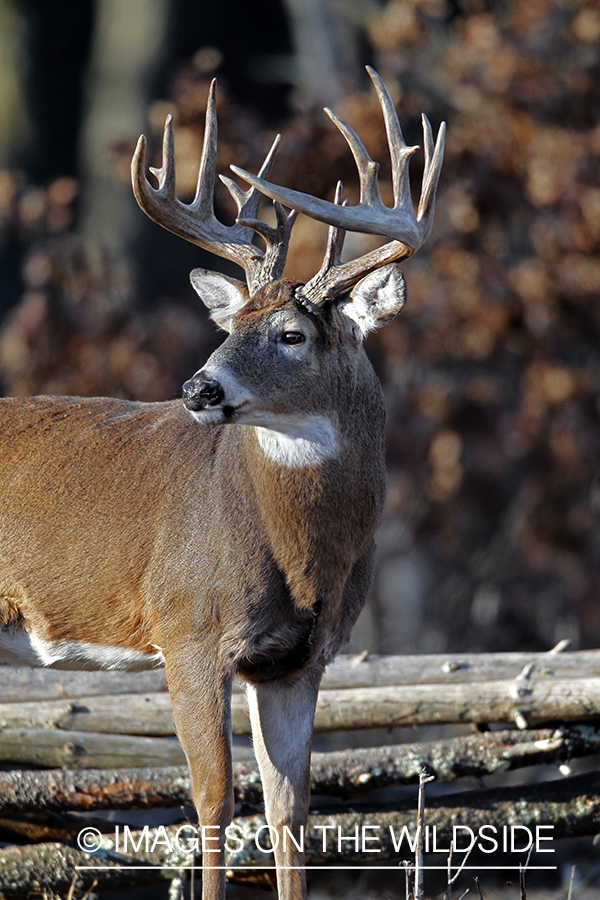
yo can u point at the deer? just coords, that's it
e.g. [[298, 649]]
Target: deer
[[230, 533]]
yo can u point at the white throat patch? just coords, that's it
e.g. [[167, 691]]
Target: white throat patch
[[301, 441]]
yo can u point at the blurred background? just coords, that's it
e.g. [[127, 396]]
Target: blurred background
[[491, 533]]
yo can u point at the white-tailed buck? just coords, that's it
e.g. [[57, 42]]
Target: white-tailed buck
[[231, 534]]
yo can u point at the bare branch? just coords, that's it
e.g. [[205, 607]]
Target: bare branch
[[424, 778]]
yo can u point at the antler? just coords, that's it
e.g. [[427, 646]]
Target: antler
[[196, 222], [407, 230]]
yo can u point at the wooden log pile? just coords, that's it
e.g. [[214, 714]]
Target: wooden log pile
[[85, 743]]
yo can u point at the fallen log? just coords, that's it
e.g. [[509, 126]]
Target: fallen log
[[347, 773], [139, 714], [134, 714], [38, 828], [566, 808], [526, 701], [529, 700], [51, 749], [19, 684], [75, 749], [83, 790], [344, 773], [366, 670], [56, 867]]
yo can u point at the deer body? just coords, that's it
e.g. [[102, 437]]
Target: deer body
[[231, 534], [197, 546], [167, 514]]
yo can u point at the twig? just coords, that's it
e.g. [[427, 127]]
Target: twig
[[449, 879], [571, 881], [563, 645], [71, 893], [193, 880], [481, 897], [452, 878], [424, 779], [408, 868], [90, 890], [522, 871]]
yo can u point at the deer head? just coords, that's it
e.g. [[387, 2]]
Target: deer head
[[341, 303]]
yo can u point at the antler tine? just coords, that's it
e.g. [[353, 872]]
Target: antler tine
[[331, 260], [369, 216], [362, 217], [431, 176], [196, 222], [367, 169], [248, 202], [335, 236], [400, 152], [277, 240], [203, 202], [166, 174]]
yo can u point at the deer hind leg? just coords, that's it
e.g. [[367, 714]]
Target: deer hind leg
[[282, 721], [201, 697]]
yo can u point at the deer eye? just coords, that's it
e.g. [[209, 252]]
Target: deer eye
[[293, 337]]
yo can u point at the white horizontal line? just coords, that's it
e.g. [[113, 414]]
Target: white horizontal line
[[199, 867]]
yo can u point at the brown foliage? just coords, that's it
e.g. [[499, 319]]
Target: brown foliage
[[76, 329]]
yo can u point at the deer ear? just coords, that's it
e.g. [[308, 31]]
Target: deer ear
[[224, 296], [375, 299]]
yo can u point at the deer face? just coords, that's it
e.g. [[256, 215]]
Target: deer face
[[286, 370], [267, 370]]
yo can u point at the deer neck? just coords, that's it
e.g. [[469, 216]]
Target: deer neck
[[300, 443], [318, 497]]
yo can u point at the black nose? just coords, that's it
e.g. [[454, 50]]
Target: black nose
[[200, 394]]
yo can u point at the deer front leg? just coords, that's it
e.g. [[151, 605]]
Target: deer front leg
[[201, 698], [282, 721]]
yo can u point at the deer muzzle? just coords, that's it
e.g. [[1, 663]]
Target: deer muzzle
[[199, 395]]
